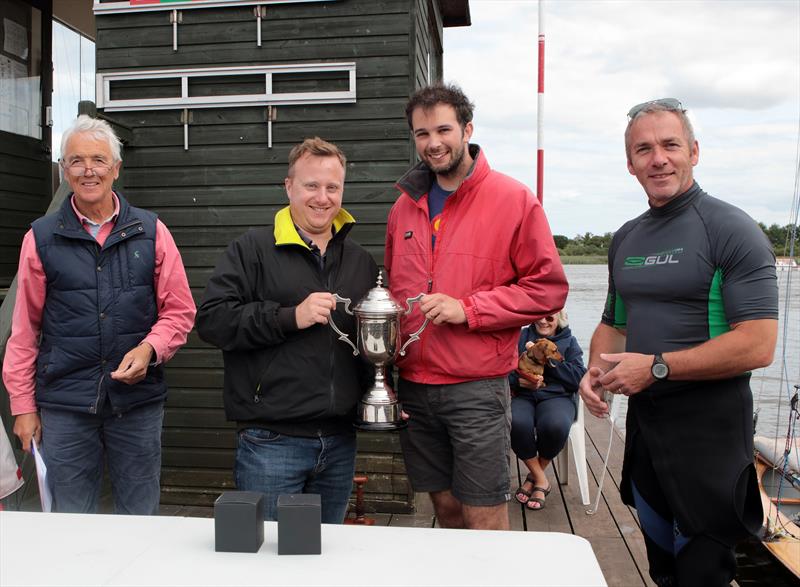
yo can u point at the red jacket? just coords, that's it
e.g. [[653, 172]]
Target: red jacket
[[494, 253]]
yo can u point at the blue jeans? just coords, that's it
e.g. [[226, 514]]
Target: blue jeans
[[276, 464], [540, 423], [76, 444]]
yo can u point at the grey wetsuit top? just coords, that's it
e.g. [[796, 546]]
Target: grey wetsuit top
[[681, 274]]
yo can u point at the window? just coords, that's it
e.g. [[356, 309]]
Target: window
[[20, 69], [73, 78]]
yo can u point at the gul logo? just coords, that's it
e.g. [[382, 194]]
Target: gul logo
[[664, 258]]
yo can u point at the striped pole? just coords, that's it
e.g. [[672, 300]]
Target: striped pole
[[540, 111]]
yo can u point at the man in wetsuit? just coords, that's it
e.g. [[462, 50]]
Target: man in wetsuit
[[692, 307]]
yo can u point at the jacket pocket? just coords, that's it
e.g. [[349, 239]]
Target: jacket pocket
[[126, 280], [45, 370], [261, 373], [55, 364]]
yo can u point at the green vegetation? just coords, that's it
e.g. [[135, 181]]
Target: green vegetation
[[584, 260], [584, 249], [589, 249], [779, 236]]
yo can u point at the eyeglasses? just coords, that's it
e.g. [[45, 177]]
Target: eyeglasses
[[547, 319], [667, 103], [77, 168]]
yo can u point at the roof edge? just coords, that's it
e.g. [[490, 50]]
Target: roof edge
[[455, 13]]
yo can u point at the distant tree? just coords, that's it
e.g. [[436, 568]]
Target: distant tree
[[593, 244], [778, 237], [560, 240]]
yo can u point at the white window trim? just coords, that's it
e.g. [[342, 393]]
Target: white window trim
[[265, 98], [125, 6]]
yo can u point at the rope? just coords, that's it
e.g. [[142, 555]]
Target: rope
[[612, 415]]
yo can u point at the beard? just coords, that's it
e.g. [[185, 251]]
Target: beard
[[447, 169]]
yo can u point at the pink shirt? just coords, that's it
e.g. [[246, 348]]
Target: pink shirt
[[176, 309]]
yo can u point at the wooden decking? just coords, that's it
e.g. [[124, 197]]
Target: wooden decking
[[613, 531]]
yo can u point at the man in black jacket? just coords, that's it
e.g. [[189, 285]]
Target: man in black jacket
[[290, 385]]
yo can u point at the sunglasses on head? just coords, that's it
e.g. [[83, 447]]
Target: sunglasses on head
[[668, 103]]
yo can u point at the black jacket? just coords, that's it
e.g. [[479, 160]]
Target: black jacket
[[296, 382]]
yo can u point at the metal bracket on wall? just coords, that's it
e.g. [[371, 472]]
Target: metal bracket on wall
[[175, 17], [272, 115], [261, 12], [186, 119]]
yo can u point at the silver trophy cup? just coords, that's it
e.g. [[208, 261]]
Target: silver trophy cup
[[378, 332]]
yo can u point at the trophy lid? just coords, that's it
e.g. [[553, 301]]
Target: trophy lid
[[378, 301]]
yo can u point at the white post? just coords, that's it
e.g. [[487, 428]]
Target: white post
[[540, 111]]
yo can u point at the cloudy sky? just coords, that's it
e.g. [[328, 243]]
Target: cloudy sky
[[734, 64]]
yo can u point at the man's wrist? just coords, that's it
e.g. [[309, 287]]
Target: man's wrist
[[153, 359], [659, 369]]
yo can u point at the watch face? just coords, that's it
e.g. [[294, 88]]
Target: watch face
[[660, 370]]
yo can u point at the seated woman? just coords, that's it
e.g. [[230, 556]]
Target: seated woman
[[543, 410]]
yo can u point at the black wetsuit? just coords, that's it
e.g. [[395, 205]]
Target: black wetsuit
[[678, 276]]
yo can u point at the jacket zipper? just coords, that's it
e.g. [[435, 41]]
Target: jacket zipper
[[329, 286], [93, 408], [257, 394], [431, 269]]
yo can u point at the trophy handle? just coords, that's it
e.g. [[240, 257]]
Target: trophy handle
[[342, 335], [415, 336]]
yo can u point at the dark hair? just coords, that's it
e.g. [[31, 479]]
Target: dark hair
[[315, 146], [440, 93]]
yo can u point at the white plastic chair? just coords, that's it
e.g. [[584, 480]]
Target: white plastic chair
[[577, 441]]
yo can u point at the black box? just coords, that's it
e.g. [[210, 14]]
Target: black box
[[239, 521], [299, 524]]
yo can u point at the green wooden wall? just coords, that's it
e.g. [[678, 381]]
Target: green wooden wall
[[229, 180], [25, 191]]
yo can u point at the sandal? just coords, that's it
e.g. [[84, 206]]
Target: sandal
[[522, 491], [539, 500]]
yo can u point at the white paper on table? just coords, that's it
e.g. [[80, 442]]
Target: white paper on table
[[41, 474]]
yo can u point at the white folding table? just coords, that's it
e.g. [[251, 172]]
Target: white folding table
[[80, 549]]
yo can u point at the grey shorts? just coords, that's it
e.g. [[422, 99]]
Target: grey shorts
[[458, 438]]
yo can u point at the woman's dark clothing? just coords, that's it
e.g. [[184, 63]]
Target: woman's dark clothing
[[541, 418]]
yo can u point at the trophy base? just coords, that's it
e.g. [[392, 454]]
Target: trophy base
[[380, 426], [378, 413]]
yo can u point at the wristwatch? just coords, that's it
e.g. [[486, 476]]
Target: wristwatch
[[659, 369]]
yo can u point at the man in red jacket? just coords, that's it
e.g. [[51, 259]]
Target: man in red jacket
[[477, 243]]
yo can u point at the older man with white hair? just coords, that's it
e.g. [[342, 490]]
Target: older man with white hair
[[102, 302]]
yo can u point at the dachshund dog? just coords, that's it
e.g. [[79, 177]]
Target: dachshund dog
[[532, 361]]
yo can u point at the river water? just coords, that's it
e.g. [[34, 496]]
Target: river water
[[772, 386]]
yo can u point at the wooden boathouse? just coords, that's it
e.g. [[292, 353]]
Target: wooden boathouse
[[209, 96]]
